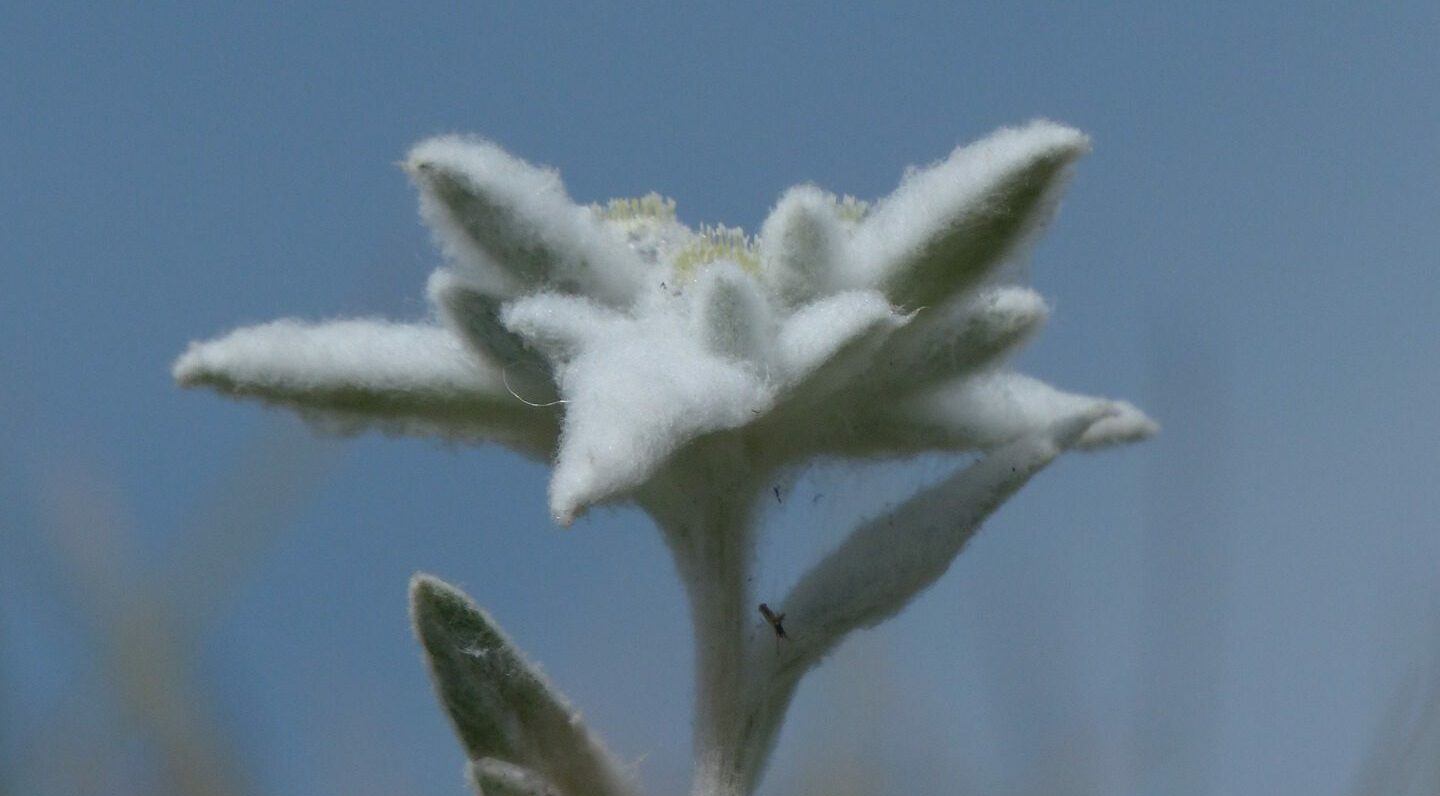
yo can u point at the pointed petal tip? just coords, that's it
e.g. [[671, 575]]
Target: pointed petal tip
[[1060, 136], [1003, 318], [806, 197], [1124, 424], [1035, 143], [1020, 303], [198, 365], [565, 513], [802, 244], [448, 163], [575, 489], [565, 502], [478, 162], [186, 368], [1069, 431], [803, 211], [442, 150], [423, 585]]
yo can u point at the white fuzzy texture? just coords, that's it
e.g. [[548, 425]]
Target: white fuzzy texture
[[474, 317], [294, 358], [637, 389], [733, 317], [978, 202], [345, 376], [502, 705], [681, 369], [560, 305], [560, 327], [886, 562], [815, 333], [801, 244], [516, 228], [993, 409], [964, 337]]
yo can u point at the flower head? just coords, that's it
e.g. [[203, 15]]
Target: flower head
[[609, 338], [678, 367]]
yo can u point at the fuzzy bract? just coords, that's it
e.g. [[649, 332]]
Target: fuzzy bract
[[678, 368], [607, 338]]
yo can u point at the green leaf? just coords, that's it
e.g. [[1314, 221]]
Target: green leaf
[[500, 705]]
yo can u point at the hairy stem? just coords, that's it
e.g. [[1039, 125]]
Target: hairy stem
[[705, 509]]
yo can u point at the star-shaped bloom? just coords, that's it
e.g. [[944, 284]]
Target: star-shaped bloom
[[678, 368], [610, 338]]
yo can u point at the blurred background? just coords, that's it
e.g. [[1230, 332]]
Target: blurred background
[[199, 596]]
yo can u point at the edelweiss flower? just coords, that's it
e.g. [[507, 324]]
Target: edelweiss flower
[[609, 338], [679, 369]]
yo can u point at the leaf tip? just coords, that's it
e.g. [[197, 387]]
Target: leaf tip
[[435, 605]]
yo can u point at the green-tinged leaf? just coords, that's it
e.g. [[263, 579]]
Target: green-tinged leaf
[[500, 705]]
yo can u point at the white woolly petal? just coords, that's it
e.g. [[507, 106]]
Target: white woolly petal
[[635, 395], [801, 244], [732, 316], [966, 336], [992, 409], [359, 354], [947, 226], [559, 326], [401, 377], [512, 226], [1126, 424], [474, 317], [817, 332]]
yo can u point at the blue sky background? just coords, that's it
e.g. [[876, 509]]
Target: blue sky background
[[1250, 254]]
